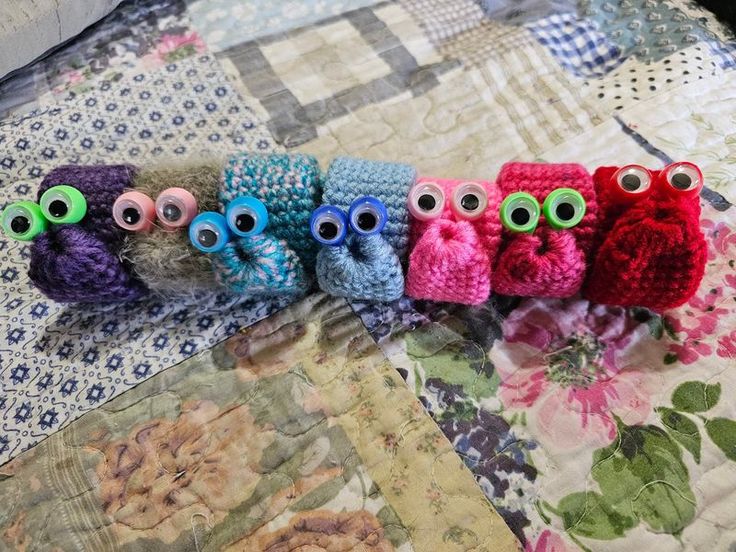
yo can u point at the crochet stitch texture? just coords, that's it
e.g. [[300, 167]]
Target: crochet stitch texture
[[451, 258], [259, 266], [367, 267], [349, 178], [279, 261], [80, 262], [652, 252], [549, 262], [289, 186]]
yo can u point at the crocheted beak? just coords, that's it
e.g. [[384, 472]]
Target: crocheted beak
[[547, 263], [72, 265], [654, 256], [260, 266], [449, 263], [363, 267]]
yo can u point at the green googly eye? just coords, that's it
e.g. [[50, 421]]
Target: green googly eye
[[564, 208], [63, 205], [520, 212], [23, 221]]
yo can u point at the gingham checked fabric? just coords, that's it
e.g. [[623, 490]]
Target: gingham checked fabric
[[725, 53], [577, 44]]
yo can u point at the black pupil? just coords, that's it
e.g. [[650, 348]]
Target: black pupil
[[520, 216], [470, 202], [172, 212], [565, 211], [131, 215], [245, 223], [20, 225], [58, 208], [427, 202], [207, 238], [366, 221], [630, 182], [681, 181], [328, 230]]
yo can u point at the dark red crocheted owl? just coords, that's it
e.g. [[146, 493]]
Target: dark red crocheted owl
[[651, 251]]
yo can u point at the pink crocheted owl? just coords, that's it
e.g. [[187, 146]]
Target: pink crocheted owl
[[455, 235], [549, 214]]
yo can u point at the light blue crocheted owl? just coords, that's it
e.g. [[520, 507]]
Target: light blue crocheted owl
[[363, 227]]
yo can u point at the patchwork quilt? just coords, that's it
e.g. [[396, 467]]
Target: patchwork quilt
[[374, 426]]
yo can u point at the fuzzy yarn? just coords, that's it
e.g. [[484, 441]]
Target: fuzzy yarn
[[550, 262], [652, 253], [80, 262], [260, 266], [364, 267], [289, 187], [451, 258], [166, 261]]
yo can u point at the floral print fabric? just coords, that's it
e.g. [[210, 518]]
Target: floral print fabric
[[295, 433], [588, 427]]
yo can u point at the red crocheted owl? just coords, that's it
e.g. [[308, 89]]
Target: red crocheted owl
[[549, 213], [652, 252]]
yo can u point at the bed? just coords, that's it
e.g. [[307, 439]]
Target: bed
[[520, 424]]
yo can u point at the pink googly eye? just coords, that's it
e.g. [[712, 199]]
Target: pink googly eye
[[469, 200], [134, 211], [426, 201], [175, 208]]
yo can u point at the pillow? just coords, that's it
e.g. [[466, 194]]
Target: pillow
[[30, 28]]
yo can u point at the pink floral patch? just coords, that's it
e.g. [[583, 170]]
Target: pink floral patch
[[173, 48], [565, 363], [701, 326], [548, 542]]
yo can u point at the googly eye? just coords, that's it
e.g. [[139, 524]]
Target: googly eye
[[632, 182], [134, 211], [209, 232], [328, 225], [469, 200], [520, 212], [426, 201], [367, 216], [683, 178], [175, 208], [23, 221], [564, 208], [63, 205], [246, 216]]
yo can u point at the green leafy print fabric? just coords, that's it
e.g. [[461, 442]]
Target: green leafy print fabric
[[588, 427]]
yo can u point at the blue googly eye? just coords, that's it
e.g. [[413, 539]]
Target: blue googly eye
[[329, 225], [367, 216], [208, 232], [246, 216]]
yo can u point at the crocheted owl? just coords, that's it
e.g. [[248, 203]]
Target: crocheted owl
[[652, 252], [260, 245], [455, 236], [77, 258], [156, 213], [549, 213], [363, 228]]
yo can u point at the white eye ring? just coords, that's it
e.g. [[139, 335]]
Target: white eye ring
[[684, 177], [469, 200], [426, 201], [633, 179]]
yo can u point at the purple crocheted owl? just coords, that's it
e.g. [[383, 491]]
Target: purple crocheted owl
[[78, 262]]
